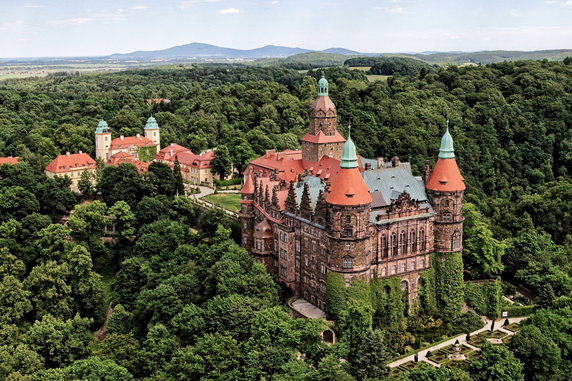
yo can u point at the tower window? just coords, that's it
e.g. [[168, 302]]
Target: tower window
[[456, 240], [348, 263], [348, 232], [348, 246], [383, 246], [447, 216], [422, 239], [393, 244], [403, 241], [412, 241]]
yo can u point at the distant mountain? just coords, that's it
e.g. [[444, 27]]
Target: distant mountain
[[199, 50]]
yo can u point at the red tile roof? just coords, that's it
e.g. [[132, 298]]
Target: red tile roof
[[323, 103], [125, 158], [248, 187], [169, 151], [323, 138], [446, 177], [69, 162], [128, 141], [9, 160], [186, 156], [348, 188]]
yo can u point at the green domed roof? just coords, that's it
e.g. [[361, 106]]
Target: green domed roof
[[102, 127], [322, 86], [447, 151], [349, 156], [151, 124]]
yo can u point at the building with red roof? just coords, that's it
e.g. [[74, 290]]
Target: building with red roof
[[72, 166], [324, 209], [195, 168], [125, 158], [141, 147], [9, 160]]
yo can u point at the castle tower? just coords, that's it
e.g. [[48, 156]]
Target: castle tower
[[445, 188], [323, 137], [246, 212], [102, 140], [152, 132], [347, 223]]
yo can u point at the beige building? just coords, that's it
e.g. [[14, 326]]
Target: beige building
[[72, 166], [142, 148], [196, 169]]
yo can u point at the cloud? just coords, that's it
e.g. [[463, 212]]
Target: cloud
[[191, 3], [392, 10], [105, 18], [230, 11], [274, 2], [139, 7], [35, 6]]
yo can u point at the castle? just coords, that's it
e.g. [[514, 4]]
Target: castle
[[105, 147], [323, 209]]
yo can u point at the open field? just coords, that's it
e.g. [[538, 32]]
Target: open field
[[230, 201]]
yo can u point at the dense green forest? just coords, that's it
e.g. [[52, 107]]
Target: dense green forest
[[189, 305]]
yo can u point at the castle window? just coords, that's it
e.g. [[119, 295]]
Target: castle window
[[422, 239], [403, 241], [348, 263], [393, 270], [456, 240], [447, 216], [282, 271], [383, 246], [411, 266], [413, 241], [403, 267], [348, 246], [348, 219], [384, 272], [393, 244], [258, 244], [348, 232], [446, 203], [283, 254], [322, 268], [423, 263], [105, 138]]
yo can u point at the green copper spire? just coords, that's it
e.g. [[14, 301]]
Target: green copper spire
[[447, 151], [102, 127], [349, 156], [151, 124], [323, 87]]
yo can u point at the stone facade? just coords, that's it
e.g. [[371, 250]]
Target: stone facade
[[322, 209]]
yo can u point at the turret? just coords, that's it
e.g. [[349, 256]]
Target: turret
[[153, 132], [445, 188], [246, 211], [102, 140], [323, 137], [348, 203]]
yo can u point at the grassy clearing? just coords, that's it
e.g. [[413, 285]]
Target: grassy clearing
[[230, 201], [376, 77]]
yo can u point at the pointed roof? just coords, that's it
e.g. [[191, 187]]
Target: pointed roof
[[348, 187], [446, 176], [447, 151], [248, 187], [349, 156]]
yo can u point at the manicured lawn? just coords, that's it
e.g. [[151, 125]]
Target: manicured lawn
[[493, 334], [230, 201], [513, 327]]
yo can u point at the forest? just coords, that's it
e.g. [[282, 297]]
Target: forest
[[189, 303]]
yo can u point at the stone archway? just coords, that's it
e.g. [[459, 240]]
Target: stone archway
[[328, 337]]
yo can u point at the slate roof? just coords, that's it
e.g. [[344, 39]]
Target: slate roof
[[391, 182], [315, 184]]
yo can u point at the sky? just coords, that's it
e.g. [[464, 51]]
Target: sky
[[48, 28]]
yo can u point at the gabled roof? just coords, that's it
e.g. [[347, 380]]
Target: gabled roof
[[390, 182], [129, 141], [125, 158], [169, 151], [323, 138], [9, 160], [69, 162]]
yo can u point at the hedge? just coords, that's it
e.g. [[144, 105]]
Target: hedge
[[224, 183], [485, 297], [518, 311], [449, 285]]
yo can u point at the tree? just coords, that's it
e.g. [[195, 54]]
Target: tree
[[60, 342], [92, 368], [50, 290], [372, 357], [179, 183], [14, 300], [539, 354], [163, 179], [88, 220], [122, 183], [496, 362], [124, 218], [221, 163], [85, 184]]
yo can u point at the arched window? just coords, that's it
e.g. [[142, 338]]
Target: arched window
[[422, 239], [393, 244], [456, 240], [412, 241], [447, 216], [404, 285], [383, 246], [386, 290], [403, 242]]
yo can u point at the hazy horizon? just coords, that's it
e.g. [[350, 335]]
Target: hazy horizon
[[57, 28]]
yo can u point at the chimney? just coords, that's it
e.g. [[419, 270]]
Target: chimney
[[395, 161], [380, 162], [80, 152], [67, 153], [270, 152], [138, 136], [121, 137]]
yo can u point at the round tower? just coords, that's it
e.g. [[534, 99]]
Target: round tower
[[445, 188], [323, 137], [347, 223], [102, 141], [247, 212], [153, 132]]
